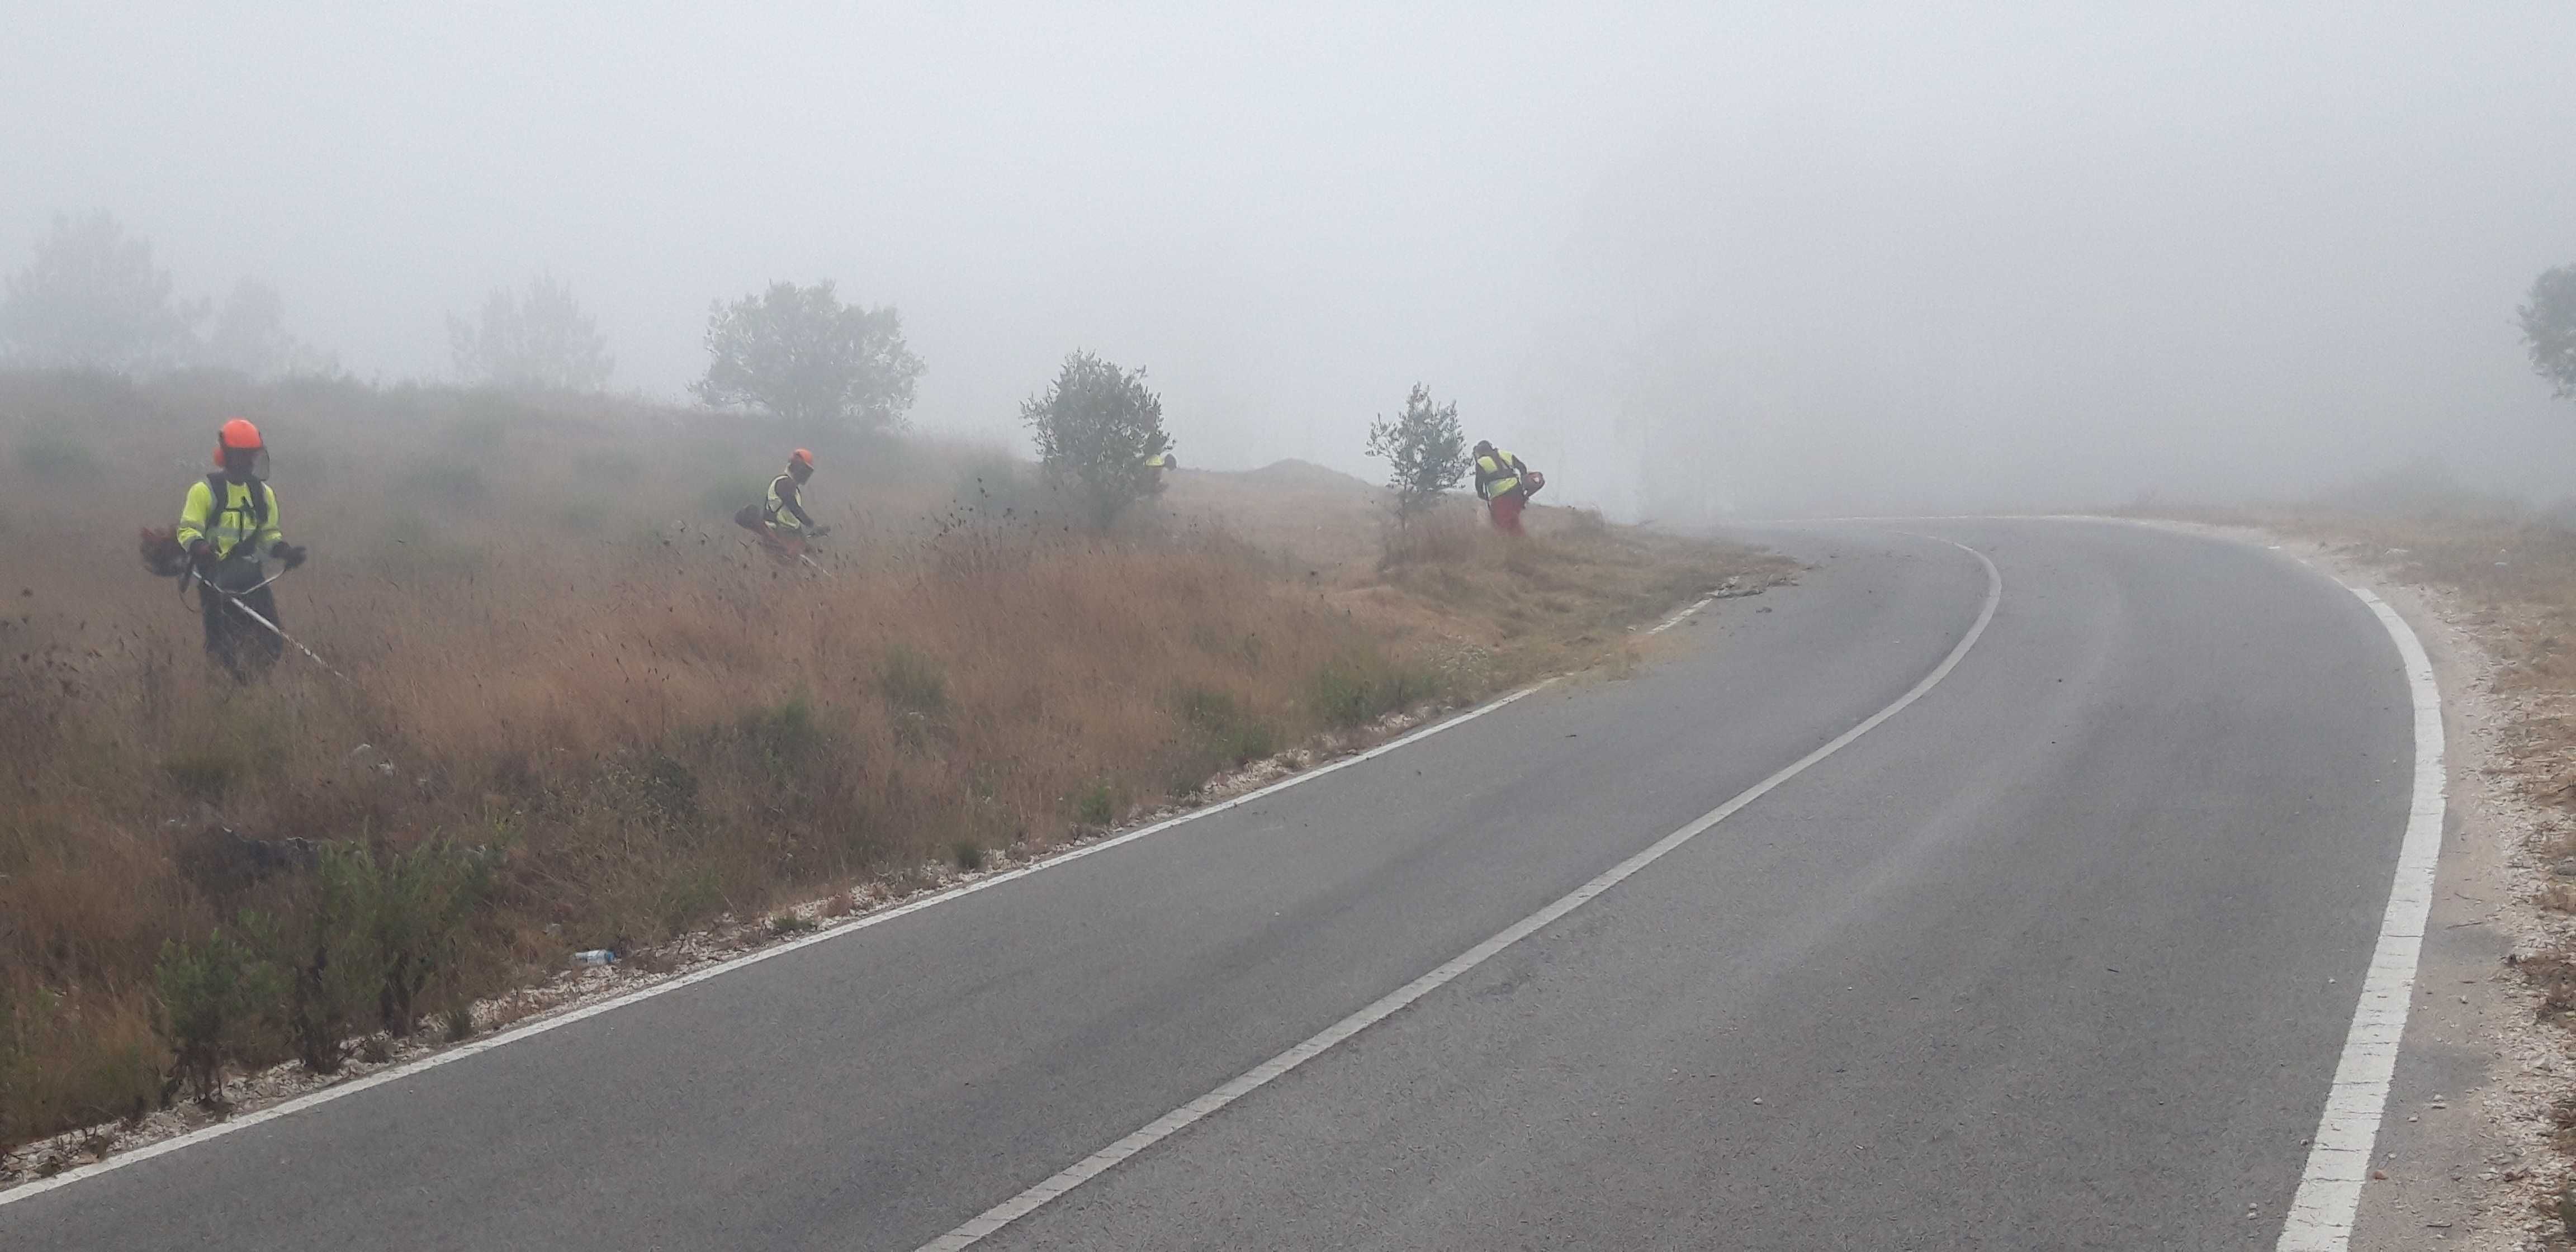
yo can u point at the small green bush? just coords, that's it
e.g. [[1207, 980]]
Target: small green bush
[[419, 903], [214, 995], [1097, 805], [670, 787], [1358, 688], [1226, 733], [912, 682], [368, 936], [787, 735]]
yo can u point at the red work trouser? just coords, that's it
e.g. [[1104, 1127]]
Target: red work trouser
[[782, 547], [1505, 509]]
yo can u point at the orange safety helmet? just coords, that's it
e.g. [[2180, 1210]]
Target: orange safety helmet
[[801, 457], [237, 433]]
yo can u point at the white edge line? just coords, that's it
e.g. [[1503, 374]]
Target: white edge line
[[1686, 610], [2321, 1214], [408, 1069], [1161, 1128]]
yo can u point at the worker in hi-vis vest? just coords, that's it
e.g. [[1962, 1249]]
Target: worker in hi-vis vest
[[1504, 483], [788, 525], [227, 524]]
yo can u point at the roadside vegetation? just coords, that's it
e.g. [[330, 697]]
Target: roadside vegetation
[[582, 715]]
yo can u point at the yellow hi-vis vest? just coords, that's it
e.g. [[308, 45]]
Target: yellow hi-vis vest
[[776, 513], [1497, 475], [241, 518]]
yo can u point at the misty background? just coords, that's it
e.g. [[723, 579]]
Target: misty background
[[1765, 260]]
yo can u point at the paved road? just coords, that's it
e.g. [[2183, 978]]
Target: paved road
[[2059, 956]]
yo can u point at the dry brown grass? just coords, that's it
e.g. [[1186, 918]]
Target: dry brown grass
[[562, 654]]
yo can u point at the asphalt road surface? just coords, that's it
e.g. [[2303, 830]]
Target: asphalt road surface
[[2061, 955]]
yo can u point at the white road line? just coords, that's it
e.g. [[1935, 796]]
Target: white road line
[[533, 1029], [1677, 618], [1169, 1124], [2321, 1214]]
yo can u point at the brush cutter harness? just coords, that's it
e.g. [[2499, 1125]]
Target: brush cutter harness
[[225, 515]]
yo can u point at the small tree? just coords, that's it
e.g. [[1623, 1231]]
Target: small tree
[[799, 353], [541, 339], [249, 335], [2549, 329], [93, 299], [213, 996], [1425, 451], [1095, 427]]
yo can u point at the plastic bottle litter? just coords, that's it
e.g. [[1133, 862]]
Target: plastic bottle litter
[[596, 956]]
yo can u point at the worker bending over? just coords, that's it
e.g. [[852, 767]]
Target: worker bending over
[[1504, 483], [785, 525], [228, 521]]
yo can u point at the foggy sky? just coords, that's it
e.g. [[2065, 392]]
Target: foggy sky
[[1837, 258]]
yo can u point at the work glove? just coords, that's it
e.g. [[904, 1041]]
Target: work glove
[[202, 553], [292, 554]]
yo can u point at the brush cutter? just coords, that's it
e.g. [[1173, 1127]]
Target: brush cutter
[[206, 586]]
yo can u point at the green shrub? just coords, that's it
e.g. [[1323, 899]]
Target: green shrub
[[418, 906], [670, 787], [686, 898], [368, 936], [1360, 687], [912, 682], [1225, 733], [1097, 805], [785, 736], [215, 994]]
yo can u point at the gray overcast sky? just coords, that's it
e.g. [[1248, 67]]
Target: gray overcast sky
[[1798, 256]]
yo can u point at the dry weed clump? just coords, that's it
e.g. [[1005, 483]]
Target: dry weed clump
[[582, 715]]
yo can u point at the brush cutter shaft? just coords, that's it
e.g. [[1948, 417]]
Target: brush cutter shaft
[[272, 627]]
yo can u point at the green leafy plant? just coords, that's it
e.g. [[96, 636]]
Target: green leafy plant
[[215, 993], [1425, 450], [1095, 428]]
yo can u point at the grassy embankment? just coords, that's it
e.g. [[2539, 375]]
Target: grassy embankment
[[590, 718]]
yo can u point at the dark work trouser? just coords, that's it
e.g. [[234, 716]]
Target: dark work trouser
[[243, 647]]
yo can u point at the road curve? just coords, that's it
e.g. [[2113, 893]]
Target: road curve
[[2061, 955]]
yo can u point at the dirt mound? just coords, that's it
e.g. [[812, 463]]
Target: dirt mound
[[1297, 475]]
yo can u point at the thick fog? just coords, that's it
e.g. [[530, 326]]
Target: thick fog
[[1759, 260]]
